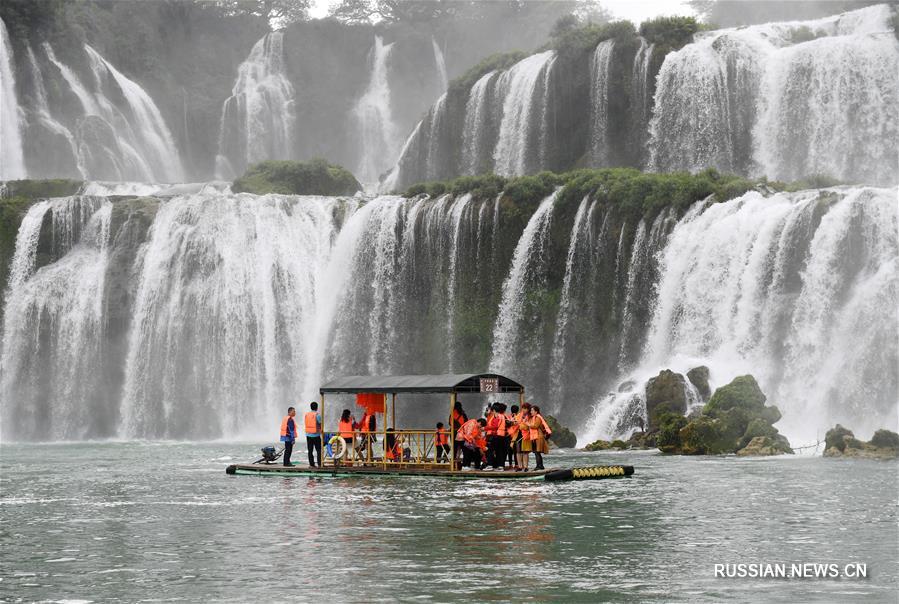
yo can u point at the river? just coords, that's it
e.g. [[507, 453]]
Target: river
[[161, 521]]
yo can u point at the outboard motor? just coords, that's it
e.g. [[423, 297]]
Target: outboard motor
[[269, 454]]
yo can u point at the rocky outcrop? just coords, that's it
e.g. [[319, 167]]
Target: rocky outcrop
[[562, 437], [313, 177], [841, 442], [699, 377], [665, 394]]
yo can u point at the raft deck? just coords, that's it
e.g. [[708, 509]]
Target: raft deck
[[274, 469]]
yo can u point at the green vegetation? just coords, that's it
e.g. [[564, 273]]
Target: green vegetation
[[571, 42], [562, 436], [841, 442], [313, 177], [500, 60], [670, 33], [41, 189]]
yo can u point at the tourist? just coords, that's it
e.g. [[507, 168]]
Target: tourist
[[459, 419], [514, 438], [313, 422], [393, 450], [288, 434], [441, 443], [497, 431], [524, 447], [471, 434], [539, 433], [367, 428], [345, 428]]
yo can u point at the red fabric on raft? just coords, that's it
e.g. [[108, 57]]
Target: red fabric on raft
[[373, 402]]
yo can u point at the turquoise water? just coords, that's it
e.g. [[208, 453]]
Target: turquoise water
[[110, 522]]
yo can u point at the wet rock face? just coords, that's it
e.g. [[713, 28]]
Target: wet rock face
[[666, 389], [699, 377], [764, 445], [841, 442]]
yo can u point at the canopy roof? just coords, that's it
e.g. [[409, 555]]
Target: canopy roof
[[462, 382]]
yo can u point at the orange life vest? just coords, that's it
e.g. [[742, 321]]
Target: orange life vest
[[522, 422], [513, 429], [538, 427], [469, 431], [365, 424], [345, 428], [492, 423], [441, 438], [394, 452], [284, 425], [311, 422], [501, 424], [457, 419]]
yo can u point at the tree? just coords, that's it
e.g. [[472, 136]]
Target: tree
[[278, 13], [731, 13]]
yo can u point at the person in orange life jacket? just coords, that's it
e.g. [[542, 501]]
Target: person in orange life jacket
[[393, 446], [288, 434], [514, 437], [459, 419], [312, 421], [539, 433], [496, 436], [345, 428], [524, 443], [441, 443], [473, 442], [367, 428]]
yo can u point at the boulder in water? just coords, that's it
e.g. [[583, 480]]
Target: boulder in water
[[841, 442], [665, 394], [699, 377], [765, 445], [743, 393], [562, 437]]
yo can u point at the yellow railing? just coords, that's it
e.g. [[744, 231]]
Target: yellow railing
[[411, 447]]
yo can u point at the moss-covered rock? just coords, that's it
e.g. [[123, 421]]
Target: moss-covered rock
[[598, 445], [834, 439], [41, 189], [313, 177], [743, 393], [618, 444], [668, 439], [699, 377], [841, 442], [562, 436], [665, 394], [765, 445]]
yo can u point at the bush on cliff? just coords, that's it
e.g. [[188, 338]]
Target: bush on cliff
[[500, 60], [313, 177], [669, 32]]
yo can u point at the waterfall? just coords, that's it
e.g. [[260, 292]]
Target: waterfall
[[799, 290], [258, 118], [52, 357], [524, 91], [641, 97], [511, 350], [129, 143], [477, 124], [12, 159], [435, 160], [374, 118], [785, 100], [46, 119], [600, 62], [441, 64], [151, 136]]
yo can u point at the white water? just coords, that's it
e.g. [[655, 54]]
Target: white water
[[600, 61], [441, 64], [525, 274], [522, 112], [374, 118], [474, 133], [258, 119], [51, 360], [768, 100], [435, 124], [12, 159], [757, 285]]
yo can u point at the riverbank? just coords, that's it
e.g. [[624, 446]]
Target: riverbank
[[107, 521]]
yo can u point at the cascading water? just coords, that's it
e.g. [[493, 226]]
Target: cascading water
[[127, 143], [258, 119], [12, 159], [600, 63], [513, 349], [477, 126], [784, 100], [641, 98], [374, 118], [441, 64], [797, 289], [524, 91]]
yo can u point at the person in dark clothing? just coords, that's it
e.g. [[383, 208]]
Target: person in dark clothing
[[514, 439], [288, 434], [312, 422]]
